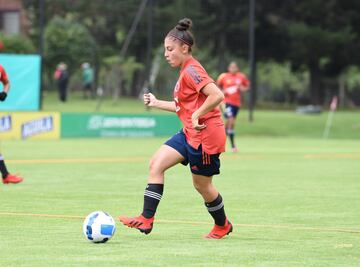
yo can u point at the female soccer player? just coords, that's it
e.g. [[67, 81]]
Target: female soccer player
[[7, 177], [232, 83], [199, 143]]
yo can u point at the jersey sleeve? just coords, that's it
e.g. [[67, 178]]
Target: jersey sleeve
[[220, 80], [196, 77]]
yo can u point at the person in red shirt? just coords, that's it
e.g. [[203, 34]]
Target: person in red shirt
[[199, 143], [232, 83], [6, 84], [7, 177]]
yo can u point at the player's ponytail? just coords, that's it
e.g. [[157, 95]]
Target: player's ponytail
[[181, 32]]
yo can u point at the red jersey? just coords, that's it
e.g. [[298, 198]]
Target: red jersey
[[188, 98], [230, 84], [3, 76]]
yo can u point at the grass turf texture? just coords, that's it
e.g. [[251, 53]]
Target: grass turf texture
[[284, 192], [293, 199]]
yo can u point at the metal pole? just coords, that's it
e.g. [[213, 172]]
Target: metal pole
[[133, 28], [127, 41], [149, 40], [252, 60], [41, 46]]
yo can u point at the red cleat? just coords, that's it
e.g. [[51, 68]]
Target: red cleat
[[234, 150], [141, 223], [220, 231], [12, 179]]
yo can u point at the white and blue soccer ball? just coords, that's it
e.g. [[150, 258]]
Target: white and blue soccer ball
[[99, 227]]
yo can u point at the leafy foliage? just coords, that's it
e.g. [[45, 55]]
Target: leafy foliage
[[17, 44], [67, 41], [312, 36]]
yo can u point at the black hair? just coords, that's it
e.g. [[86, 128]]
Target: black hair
[[182, 33]]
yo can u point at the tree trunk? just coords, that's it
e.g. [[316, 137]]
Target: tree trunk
[[342, 91], [221, 52], [315, 78], [138, 82], [96, 69], [221, 46], [118, 83]]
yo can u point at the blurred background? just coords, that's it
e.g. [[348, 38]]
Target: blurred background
[[305, 52]]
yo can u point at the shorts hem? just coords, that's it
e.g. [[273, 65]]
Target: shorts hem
[[184, 162], [207, 174]]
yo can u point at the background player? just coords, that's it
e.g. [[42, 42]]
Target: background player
[[232, 83], [7, 177], [203, 138], [87, 79]]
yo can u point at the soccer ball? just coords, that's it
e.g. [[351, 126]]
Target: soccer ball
[[99, 227]]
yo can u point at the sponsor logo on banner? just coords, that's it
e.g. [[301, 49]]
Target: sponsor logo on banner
[[5, 123], [38, 126], [101, 122]]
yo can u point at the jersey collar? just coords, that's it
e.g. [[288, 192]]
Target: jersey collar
[[186, 63]]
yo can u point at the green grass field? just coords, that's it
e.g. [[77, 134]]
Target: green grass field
[[293, 202], [293, 197]]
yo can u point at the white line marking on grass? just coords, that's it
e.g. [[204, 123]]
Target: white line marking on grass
[[332, 156], [77, 160], [144, 159], [22, 214], [343, 246], [104, 160], [269, 226]]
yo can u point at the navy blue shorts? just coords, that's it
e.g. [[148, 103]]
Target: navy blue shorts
[[200, 163], [230, 111]]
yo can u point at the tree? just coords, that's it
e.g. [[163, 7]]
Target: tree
[[226, 24], [320, 36], [67, 41], [16, 44]]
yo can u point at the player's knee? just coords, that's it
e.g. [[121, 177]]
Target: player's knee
[[201, 187], [155, 167]]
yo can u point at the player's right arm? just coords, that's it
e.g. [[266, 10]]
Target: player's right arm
[[6, 86], [6, 83], [151, 101]]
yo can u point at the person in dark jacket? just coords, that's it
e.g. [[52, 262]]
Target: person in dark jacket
[[62, 77]]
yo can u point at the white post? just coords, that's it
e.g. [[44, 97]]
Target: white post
[[329, 121], [328, 124]]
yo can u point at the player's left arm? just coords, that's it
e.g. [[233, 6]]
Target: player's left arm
[[219, 83], [244, 88], [214, 98], [6, 89], [245, 84]]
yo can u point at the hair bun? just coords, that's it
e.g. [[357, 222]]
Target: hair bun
[[184, 24]]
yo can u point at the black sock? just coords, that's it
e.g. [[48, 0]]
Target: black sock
[[230, 133], [216, 210], [3, 170], [152, 197]]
